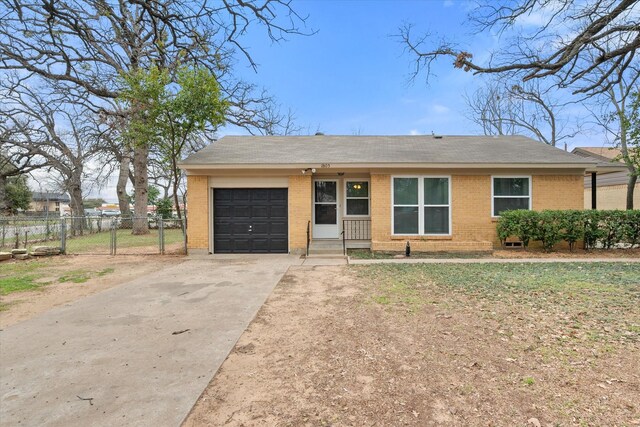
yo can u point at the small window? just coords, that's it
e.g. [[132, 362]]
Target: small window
[[511, 193], [357, 198]]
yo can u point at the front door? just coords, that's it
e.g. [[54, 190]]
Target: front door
[[325, 209]]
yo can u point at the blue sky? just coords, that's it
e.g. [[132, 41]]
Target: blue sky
[[352, 76]]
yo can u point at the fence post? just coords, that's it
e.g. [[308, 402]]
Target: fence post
[[63, 235], [113, 236], [161, 234], [183, 224]]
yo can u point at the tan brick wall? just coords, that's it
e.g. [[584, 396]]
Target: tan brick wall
[[612, 197], [471, 208], [299, 211], [380, 208], [473, 229], [558, 192], [198, 205]]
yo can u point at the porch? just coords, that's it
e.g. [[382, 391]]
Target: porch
[[354, 234]]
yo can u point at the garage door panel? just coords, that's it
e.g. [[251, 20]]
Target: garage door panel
[[279, 228], [223, 211], [250, 220], [277, 195], [222, 229], [260, 194], [260, 229], [260, 212], [224, 245], [222, 195], [279, 244], [279, 212]]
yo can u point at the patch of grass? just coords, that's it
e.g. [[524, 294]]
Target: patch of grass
[[22, 267], [528, 381], [81, 276], [21, 276], [587, 301], [106, 271], [75, 276], [19, 284]]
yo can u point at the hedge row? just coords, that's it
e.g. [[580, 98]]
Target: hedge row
[[549, 227]]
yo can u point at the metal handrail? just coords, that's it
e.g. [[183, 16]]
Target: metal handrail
[[308, 236], [356, 229]]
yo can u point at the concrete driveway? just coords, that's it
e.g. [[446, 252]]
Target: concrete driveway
[[137, 354]]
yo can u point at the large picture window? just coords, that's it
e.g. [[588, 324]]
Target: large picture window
[[357, 196], [421, 205], [510, 193]]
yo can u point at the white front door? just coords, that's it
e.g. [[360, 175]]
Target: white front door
[[325, 209]]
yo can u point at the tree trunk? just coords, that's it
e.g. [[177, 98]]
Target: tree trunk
[[121, 185], [77, 209], [4, 204], [631, 185], [176, 182], [141, 182]]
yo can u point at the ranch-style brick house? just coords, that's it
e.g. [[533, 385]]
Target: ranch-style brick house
[[262, 194]]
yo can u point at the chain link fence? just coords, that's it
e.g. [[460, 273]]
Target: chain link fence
[[95, 235]]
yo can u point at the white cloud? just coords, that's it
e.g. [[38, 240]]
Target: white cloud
[[447, 3], [414, 132], [439, 109]]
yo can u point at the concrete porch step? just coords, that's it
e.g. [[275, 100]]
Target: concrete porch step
[[325, 247], [326, 256]]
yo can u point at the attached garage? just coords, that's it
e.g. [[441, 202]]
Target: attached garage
[[250, 220]]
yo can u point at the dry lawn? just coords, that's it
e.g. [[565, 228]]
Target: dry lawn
[[31, 287], [450, 345]]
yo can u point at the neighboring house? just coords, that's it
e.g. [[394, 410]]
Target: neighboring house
[[441, 193], [51, 203], [611, 188]]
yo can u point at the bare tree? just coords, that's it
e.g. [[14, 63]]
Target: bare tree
[[87, 44], [612, 112], [575, 42], [504, 108], [49, 128]]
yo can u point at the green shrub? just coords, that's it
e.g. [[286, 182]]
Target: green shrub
[[520, 223], [550, 227], [612, 224], [549, 230], [592, 231], [572, 227], [631, 229], [506, 226]]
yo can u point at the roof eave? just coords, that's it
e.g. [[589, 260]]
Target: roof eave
[[387, 165]]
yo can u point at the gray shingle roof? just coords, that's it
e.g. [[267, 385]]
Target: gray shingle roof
[[304, 150], [52, 197]]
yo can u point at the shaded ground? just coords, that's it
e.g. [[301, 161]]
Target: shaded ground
[[463, 345], [503, 253], [28, 288]]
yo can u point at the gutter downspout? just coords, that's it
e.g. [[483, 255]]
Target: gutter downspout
[[594, 191]]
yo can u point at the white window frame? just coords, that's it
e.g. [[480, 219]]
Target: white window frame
[[368, 198], [421, 205], [493, 196]]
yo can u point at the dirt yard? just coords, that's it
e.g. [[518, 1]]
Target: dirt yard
[[417, 345], [54, 281]]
